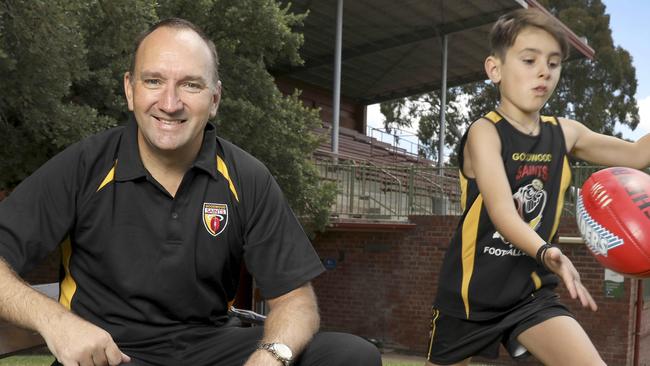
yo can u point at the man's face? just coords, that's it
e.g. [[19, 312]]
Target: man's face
[[531, 70], [172, 91]]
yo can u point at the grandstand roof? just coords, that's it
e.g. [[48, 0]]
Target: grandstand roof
[[392, 49]]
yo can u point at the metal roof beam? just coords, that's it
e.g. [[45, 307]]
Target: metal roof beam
[[422, 88], [396, 41]]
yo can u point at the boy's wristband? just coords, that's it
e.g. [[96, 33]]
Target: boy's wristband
[[541, 252]]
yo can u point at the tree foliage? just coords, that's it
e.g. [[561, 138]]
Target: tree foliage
[[424, 109], [62, 64], [599, 92]]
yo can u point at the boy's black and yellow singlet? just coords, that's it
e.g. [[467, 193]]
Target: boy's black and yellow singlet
[[483, 275]]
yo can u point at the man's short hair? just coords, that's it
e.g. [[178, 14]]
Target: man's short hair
[[177, 23], [508, 26]]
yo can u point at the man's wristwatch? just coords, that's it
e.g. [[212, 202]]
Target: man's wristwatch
[[280, 351]]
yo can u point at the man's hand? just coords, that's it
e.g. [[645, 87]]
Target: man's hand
[[262, 358], [74, 341], [562, 266]]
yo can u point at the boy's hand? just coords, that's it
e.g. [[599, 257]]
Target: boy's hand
[[562, 266]]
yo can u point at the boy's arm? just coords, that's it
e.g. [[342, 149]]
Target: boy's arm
[[71, 339], [484, 149], [600, 149]]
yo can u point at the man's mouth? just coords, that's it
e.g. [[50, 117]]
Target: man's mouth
[[169, 122]]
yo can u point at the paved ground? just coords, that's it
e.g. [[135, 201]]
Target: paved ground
[[392, 356]]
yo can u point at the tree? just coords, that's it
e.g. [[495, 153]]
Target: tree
[[598, 93], [63, 63], [42, 54], [425, 110]]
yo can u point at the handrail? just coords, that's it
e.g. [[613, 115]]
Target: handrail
[[412, 189], [399, 184]]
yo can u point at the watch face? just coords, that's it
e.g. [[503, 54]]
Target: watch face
[[282, 350]]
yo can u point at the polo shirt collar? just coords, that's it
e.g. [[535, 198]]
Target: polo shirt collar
[[129, 163], [207, 158]]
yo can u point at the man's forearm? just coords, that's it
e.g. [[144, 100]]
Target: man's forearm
[[293, 319], [22, 305]]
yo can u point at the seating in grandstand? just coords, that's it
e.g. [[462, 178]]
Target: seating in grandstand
[[378, 181], [356, 146]]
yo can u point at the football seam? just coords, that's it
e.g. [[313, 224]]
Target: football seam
[[621, 224]]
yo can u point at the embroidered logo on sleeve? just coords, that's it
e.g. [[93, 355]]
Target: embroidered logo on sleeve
[[215, 217]]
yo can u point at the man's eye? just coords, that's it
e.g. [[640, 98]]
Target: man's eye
[[192, 85], [529, 61], [152, 82]]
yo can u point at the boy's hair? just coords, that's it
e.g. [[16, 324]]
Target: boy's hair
[[177, 23], [508, 26]]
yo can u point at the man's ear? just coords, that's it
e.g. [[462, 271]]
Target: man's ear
[[493, 69], [128, 90], [216, 98]]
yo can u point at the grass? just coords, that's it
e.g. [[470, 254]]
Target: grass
[[27, 361]]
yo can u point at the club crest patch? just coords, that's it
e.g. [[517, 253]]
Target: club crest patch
[[215, 217]]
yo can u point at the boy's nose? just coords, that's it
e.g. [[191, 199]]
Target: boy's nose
[[544, 71]]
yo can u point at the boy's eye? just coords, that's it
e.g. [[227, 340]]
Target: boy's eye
[[529, 61]]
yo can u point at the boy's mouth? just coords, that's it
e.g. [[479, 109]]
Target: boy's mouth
[[541, 89]]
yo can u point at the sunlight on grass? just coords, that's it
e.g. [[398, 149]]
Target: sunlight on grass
[[401, 363], [27, 361]]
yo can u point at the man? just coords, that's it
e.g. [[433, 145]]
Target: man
[[155, 219]]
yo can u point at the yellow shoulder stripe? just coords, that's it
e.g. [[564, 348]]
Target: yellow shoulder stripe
[[493, 116], [109, 177], [536, 280], [223, 169], [549, 119], [463, 190], [68, 285], [469, 235]]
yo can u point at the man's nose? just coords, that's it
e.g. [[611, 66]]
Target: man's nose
[[170, 102]]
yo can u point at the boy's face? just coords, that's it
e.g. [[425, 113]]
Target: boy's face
[[530, 71]]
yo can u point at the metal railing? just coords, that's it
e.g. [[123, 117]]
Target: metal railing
[[375, 192], [372, 192], [399, 139]]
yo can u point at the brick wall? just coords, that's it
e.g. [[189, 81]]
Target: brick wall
[[644, 349], [384, 283]]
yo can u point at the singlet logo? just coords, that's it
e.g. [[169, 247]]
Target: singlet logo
[[530, 201], [532, 157], [215, 217]]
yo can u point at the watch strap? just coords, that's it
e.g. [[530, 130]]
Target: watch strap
[[269, 347]]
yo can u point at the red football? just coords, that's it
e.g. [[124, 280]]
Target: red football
[[613, 214]]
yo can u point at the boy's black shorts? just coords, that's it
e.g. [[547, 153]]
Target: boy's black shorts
[[454, 340]]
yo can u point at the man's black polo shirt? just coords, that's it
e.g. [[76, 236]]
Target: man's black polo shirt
[[141, 264]]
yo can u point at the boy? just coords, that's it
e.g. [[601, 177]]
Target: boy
[[497, 279]]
